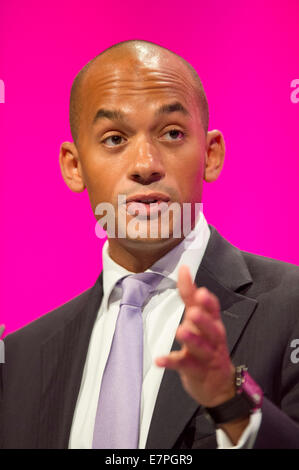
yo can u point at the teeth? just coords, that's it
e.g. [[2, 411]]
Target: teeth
[[148, 201]]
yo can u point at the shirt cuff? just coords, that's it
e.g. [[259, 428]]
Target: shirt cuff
[[247, 438]]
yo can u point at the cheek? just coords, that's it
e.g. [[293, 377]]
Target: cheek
[[191, 184], [189, 172], [99, 179]]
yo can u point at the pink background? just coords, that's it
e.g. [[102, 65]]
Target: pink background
[[246, 54]]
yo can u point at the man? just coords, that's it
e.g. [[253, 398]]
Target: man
[[139, 120]]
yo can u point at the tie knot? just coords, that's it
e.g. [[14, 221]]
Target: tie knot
[[137, 287]]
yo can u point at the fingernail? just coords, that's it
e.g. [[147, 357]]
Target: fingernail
[[161, 362]]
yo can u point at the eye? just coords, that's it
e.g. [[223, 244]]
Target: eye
[[113, 140], [175, 135]]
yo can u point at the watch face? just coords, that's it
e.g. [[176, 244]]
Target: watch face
[[252, 390]]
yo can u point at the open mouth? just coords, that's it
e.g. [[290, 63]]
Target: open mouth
[[149, 198], [145, 206], [147, 201]]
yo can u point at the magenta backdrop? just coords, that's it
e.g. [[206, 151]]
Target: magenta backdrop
[[247, 56]]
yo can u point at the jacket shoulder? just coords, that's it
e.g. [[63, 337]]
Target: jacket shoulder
[[236, 268], [269, 270], [275, 284]]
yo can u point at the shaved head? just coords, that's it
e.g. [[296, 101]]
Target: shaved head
[[119, 51]]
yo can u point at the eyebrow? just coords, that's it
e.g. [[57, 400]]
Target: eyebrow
[[117, 115]]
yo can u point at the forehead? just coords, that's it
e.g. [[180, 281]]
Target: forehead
[[135, 80]]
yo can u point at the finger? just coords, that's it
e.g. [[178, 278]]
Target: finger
[[185, 285], [172, 361], [177, 360], [196, 344], [188, 323], [203, 323], [207, 301]]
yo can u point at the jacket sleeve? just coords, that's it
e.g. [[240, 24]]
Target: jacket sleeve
[[279, 428]]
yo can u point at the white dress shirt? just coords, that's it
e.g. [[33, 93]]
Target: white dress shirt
[[161, 317]]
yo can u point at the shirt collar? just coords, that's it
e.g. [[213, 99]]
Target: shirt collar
[[189, 252]]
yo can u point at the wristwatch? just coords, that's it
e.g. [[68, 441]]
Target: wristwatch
[[248, 399]]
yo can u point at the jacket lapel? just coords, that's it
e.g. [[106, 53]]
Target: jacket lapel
[[63, 359], [223, 271]]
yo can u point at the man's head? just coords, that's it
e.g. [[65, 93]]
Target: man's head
[[146, 49], [139, 119]]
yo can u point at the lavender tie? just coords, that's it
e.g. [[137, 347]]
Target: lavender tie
[[118, 412]]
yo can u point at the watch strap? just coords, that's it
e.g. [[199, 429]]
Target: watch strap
[[248, 398], [236, 408]]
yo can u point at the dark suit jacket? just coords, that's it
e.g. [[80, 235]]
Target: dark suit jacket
[[259, 298]]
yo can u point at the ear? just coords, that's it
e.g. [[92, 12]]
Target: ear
[[71, 167], [215, 152]]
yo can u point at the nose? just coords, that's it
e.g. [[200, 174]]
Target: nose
[[147, 166]]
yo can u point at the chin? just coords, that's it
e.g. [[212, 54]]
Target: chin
[[149, 243]]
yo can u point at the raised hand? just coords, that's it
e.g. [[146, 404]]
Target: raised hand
[[203, 362]]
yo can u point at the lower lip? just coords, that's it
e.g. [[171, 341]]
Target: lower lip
[[142, 210]]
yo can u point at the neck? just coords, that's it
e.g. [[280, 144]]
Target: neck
[[139, 256]]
